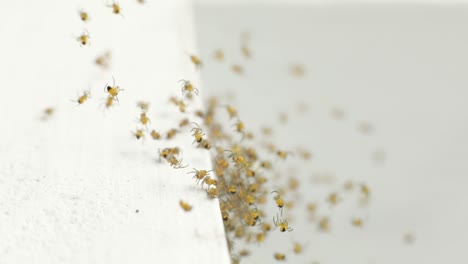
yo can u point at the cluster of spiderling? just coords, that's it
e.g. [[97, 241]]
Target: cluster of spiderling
[[254, 201], [242, 184], [244, 174]]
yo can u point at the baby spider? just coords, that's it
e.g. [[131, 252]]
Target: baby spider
[[278, 200], [184, 122], [267, 131], [232, 189], [109, 102], [103, 60], [240, 127], [297, 70], [304, 154], [205, 144], [231, 111], [197, 133], [250, 173], [282, 154], [266, 165], [249, 135], [266, 227], [175, 163], [239, 231], [253, 187], [337, 113], [138, 134], [187, 207], [155, 135], [279, 256], [171, 133], [116, 9], [238, 159], [254, 214], [113, 90], [83, 16], [182, 106], [297, 248], [174, 151], [196, 61], [333, 198], [47, 113], [236, 68], [293, 183], [244, 253], [166, 153], [250, 199], [282, 224], [225, 216], [260, 237], [209, 181], [324, 224], [357, 222], [312, 207], [178, 103], [84, 97], [144, 120], [199, 174], [290, 204], [212, 192], [246, 51], [219, 55], [365, 127], [144, 106], [188, 88], [249, 220], [83, 39], [200, 113], [365, 191], [348, 186]]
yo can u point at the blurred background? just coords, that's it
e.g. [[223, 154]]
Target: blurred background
[[377, 93]]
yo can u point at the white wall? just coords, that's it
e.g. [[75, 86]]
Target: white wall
[[70, 187]]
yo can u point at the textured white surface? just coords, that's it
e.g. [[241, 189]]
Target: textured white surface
[[400, 67], [70, 186]]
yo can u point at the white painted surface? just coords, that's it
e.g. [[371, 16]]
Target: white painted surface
[[400, 67], [70, 187]]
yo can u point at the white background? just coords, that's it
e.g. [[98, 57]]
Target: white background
[[402, 68]]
